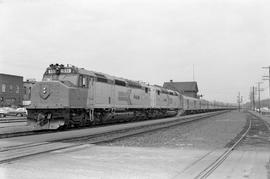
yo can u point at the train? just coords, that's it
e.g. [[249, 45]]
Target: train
[[68, 96]]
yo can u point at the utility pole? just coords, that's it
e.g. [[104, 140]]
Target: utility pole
[[193, 73], [252, 98], [267, 77], [239, 100], [259, 95]]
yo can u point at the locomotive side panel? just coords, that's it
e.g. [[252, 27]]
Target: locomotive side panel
[[103, 95], [174, 101], [122, 97], [91, 93], [147, 97], [162, 100], [139, 98], [78, 97]]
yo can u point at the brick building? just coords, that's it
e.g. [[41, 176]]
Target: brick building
[[27, 85], [186, 88], [11, 90]]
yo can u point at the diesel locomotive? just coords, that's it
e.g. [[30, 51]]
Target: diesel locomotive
[[69, 96]]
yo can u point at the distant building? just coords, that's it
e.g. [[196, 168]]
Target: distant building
[[11, 90], [186, 88], [27, 85]]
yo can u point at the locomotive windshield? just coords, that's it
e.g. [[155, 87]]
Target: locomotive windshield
[[61, 73], [73, 78]]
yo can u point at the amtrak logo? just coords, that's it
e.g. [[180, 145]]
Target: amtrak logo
[[44, 91], [124, 96]]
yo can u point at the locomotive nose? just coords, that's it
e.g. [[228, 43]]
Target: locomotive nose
[[44, 91], [53, 94]]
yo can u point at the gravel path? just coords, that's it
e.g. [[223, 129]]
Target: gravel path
[[211, 133]]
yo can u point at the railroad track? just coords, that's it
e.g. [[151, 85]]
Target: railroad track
[[27, 132], [16, 152], [4, 127], [23, 133], [209, 169], [214, 165], [12, 120]]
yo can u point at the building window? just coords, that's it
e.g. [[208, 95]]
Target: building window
[[3, 88], [10, 88], [17, 89], [29, 93]]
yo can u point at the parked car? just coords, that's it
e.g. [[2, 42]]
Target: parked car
[[17, 112], [3, 112]]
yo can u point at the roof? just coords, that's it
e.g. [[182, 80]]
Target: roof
[[190, 86], [9, 75]]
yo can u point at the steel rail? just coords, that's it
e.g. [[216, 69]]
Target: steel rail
[[94, 138], [37, 132], [12, 120], [211, 168], [3, 127], [24, 133]]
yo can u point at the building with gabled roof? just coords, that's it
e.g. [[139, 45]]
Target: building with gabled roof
[[189, 88]]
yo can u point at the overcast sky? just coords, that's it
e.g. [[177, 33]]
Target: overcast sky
[[149, 40]]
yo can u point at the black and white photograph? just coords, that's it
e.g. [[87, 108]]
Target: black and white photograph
[[134, 89]]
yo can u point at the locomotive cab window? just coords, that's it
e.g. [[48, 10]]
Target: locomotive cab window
[[146, 90], [103, 80], [83, 81], [120, 83]]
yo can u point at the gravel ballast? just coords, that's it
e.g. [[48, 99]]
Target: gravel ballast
[[213, 132]]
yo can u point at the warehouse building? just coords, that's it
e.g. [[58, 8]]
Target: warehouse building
[[11, 90]]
